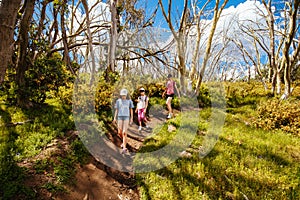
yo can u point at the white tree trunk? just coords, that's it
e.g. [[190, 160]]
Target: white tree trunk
[[217, 14], [90, 41], [113, 36]]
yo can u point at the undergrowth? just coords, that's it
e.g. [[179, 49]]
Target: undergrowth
[[24, 133], [247, 162]]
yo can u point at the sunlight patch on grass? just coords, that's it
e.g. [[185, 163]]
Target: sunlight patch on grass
[[246, 162], [155, 155]]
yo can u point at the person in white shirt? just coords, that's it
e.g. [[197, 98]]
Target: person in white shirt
[[141, 108]]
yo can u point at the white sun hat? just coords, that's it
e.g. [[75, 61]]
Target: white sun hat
[[123, 92]]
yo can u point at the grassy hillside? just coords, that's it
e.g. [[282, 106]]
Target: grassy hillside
[[247, 162], [25, 133], [256, 155]]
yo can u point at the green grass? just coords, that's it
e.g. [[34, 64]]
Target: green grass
[[19, 141], [245, 163], [41, 126], [160, 154]]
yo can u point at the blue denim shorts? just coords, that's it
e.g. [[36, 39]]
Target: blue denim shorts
[[123, 118]]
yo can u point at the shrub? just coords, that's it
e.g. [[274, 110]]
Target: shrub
[[104, 95], [279, 115], [242, 93], [211, 94], [204, 96], [11, 175], [47, 73]]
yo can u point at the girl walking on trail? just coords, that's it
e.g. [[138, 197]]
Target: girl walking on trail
[[141, 108], [124, 116], [169, 91]]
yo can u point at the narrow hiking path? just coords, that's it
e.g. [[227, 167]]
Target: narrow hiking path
[[93, 180], [136, 138]]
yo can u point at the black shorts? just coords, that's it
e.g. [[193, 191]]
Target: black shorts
[[170, 95]]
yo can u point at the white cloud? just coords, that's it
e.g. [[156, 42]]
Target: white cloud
[[229, 23], [99, 14], [247, 14], [244, 13]]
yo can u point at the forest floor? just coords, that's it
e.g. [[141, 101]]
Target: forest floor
[[93, 180]]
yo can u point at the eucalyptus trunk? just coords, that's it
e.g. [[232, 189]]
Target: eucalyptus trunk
[[278, 82], [113, 37], [22, 62], [288, 62], [8, 16], [90, 42], [217, 14]]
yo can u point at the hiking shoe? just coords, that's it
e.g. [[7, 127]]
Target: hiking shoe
[[169, 116], [124, 151], [140, 128]]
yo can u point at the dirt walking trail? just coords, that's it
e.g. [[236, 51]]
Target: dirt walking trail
[[94, 180]]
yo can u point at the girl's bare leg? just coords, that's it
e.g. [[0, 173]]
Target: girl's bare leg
[[120, 128], [124, 140], [169, 99], [124, 133], [120, 133]]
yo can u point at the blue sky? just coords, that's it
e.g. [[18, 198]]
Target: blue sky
[[177, 6]]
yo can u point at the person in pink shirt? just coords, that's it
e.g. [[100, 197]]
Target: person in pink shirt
[[169, 92]]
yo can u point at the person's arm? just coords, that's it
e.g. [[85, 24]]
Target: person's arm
[[138, 100], [146, 103], [164, 93], [116, 112], [115, 117], [131, 115], [177, 90], [131, 112]]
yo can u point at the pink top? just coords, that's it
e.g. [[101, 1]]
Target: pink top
[[170, 87]]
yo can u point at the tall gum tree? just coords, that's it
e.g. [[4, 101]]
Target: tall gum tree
[[271, 51], [180, 37], [284, 58], [217, 13], [278, 37], [23, 51], [8, 15], [199, 33], [90, 41], [132, 19], [289, 60], [113, 36]]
